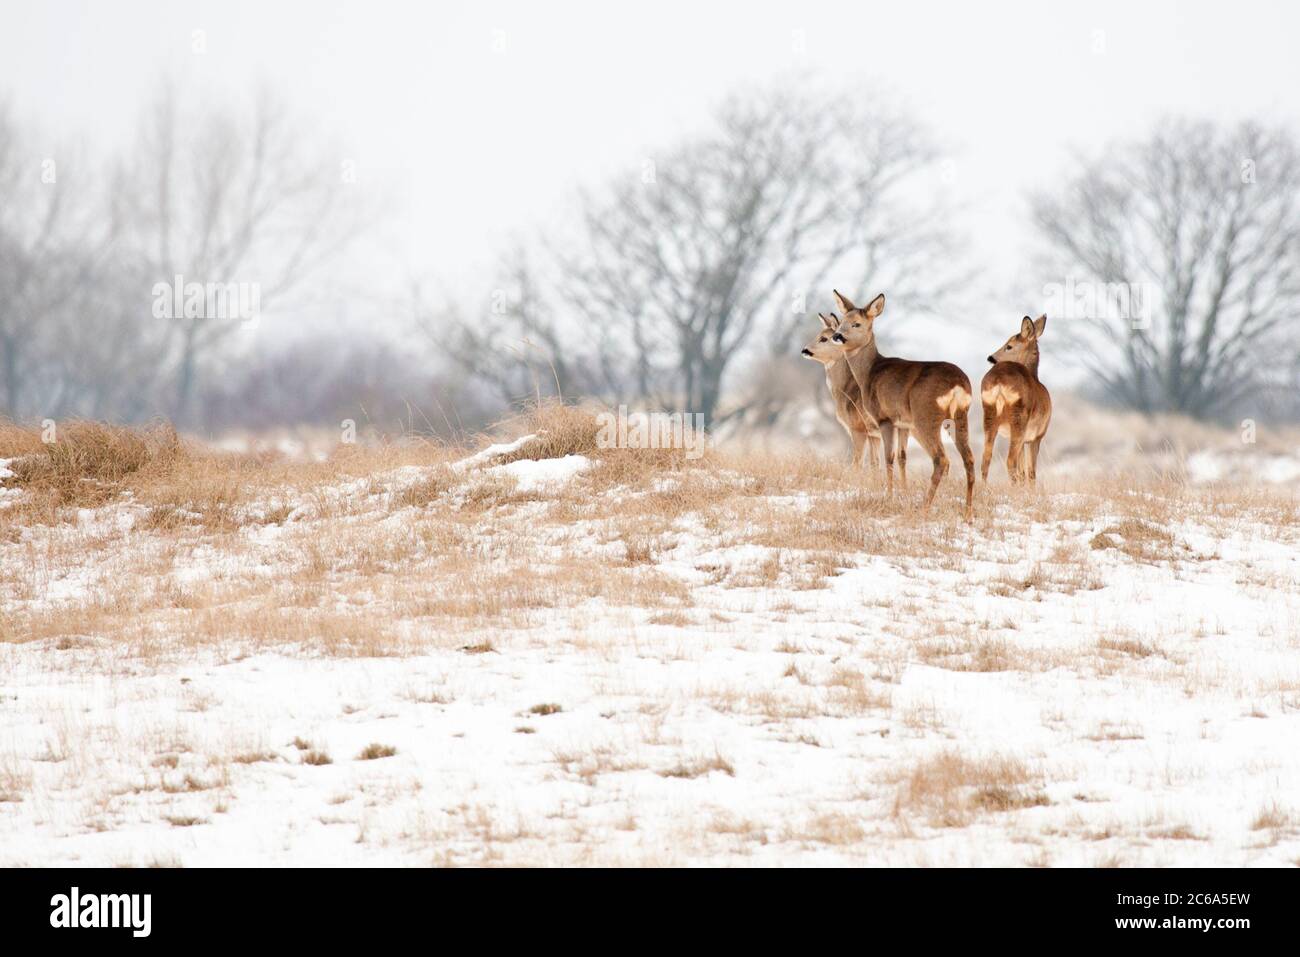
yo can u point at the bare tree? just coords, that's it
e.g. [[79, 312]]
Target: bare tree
[[56, 232], [1207, 217], [222, 198], [724, 246], [515, 340]]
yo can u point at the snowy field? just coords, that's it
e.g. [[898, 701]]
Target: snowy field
[[599, 659]]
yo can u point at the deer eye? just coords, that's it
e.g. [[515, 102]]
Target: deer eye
[[857, 325], [822, 339], [1008, 348]]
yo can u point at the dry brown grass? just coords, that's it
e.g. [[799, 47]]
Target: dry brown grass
[[184, 820], [88, 462], [471, 553], [1272, 817], [441, 480], [1140, 540], [949, 789], [255, 757], [15, 781], [559, 429], [17, 441], [1127, 646], [699, 767]]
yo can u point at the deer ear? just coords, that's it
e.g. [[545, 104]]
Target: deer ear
[[846, 305], [1040, 324], [876, 306], [1026, 328], [827, 321]]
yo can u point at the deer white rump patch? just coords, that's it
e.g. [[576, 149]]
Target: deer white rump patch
[[999, 396], [954, 400]]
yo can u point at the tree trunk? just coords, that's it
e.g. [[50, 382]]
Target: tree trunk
[[185, 379], [11, 377]]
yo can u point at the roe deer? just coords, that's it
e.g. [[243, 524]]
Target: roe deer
[[1015, 402], [902, 396], [844, 392]]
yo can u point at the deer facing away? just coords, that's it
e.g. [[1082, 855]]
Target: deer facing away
[[903, 395], [863, 431], [1016, 404]]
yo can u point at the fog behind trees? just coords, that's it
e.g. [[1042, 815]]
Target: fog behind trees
[[684, 276]]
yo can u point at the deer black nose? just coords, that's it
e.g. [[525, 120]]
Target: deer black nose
[[807, 352], [837, 337], [992, 360]]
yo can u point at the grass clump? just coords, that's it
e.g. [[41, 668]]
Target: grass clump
[[558, 430], [88, 462], [950, 788], [374, 751]]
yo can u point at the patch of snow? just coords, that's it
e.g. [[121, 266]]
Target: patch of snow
[[8, 496], [1215, 465], [533, 474], [1280, 469], [491, 452]]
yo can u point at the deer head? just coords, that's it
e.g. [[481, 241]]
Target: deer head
[[822, 349], [1023, 346], [856, 328]]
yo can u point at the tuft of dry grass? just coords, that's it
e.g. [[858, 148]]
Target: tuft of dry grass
[[1141, 540], [184, 820], [950, 788], [14, 782], [1127, 646], [17, 441], [441, 479], [255, 757], [374, 750], [560, 430], [1272, 817], [88, 461], [699, 767]]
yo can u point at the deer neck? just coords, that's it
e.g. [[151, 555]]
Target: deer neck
[[860, 362], [1032, 366], [838, 375]]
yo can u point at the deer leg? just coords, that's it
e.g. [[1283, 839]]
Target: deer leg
[[859, 440], [902, 455], [1015, 467], [1013, 460], [876, 456], [887, 444], [990, 437], [933, 444], [961, 438], [1033, 460]]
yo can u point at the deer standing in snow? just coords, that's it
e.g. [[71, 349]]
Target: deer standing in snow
[[847, 398], [904, 396], [1016, 404]]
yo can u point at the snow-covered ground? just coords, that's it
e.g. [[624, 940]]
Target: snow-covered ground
[[1064, 684]]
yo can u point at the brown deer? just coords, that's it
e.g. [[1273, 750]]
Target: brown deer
[[905, 396], [1016, 404], [844, 392]]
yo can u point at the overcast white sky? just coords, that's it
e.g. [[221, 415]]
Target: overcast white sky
[[478, 145]]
